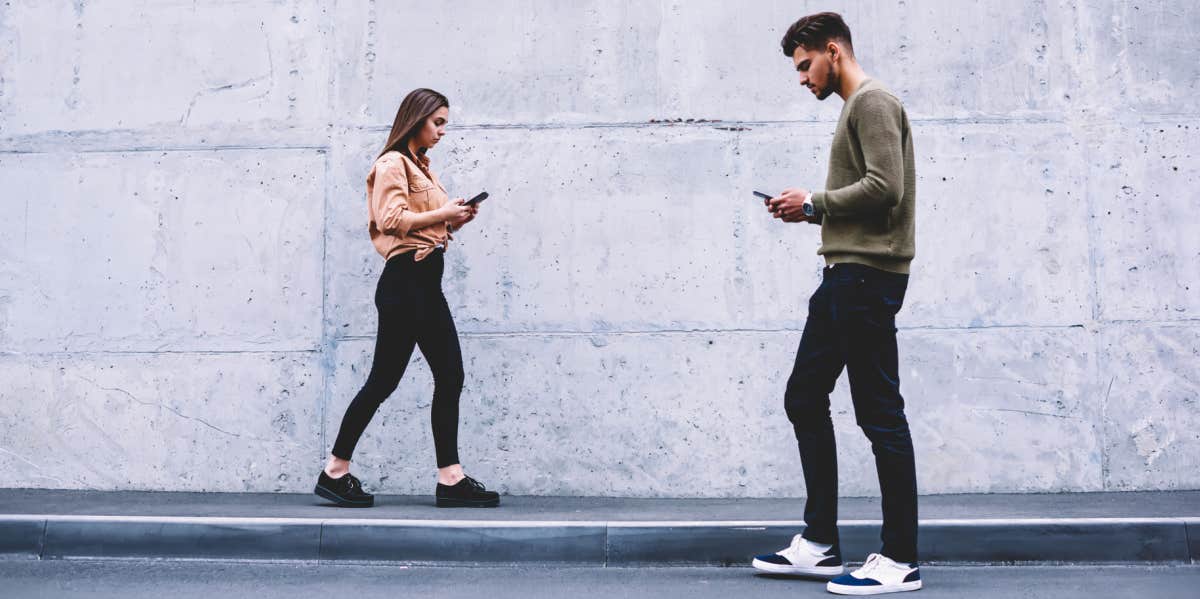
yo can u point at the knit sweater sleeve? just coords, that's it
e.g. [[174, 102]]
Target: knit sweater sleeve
[[877, 120]]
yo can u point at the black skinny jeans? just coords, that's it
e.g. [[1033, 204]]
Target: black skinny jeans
[[412, 312], [852, 324]]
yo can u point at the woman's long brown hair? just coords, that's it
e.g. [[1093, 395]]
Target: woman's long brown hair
[[416, 107]]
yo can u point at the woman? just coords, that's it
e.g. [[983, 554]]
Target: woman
[[411, 221]]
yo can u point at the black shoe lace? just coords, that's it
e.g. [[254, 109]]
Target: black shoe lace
[[353, 485], [478, 486]]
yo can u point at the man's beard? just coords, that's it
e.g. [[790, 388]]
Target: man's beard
[[831, 84]]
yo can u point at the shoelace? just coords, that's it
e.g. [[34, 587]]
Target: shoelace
[[478, 486], [354, 484], [873, 561], [801, 546]]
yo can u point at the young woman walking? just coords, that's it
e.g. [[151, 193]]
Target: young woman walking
[[411, 219]]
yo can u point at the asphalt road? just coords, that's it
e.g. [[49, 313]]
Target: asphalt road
[[184, 580]]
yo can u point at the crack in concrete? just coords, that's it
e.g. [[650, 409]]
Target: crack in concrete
[[73, 97], [712, 331], [1028, 412], [232, 147], [174, 352], [270, 75], [32, 465], [164, 407], [368, 68], [222, 88], [55, 141], [1104, 459], [1004, 379]]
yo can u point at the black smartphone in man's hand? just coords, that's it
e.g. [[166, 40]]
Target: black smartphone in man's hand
[[762, 195], [477, 199]]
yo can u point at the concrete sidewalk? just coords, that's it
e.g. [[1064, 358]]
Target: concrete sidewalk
[[1136, 527]]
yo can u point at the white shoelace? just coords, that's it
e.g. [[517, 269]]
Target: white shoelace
[[795, 549], [877, 561], [798, 548], [873, 561]]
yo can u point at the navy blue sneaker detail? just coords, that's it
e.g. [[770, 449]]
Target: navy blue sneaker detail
[[800, 558], [878, 575], [850, 581], [775, 558]]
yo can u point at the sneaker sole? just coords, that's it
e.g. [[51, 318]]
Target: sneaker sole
[[838, 589], [817, 571], [324, 493], [447, 502]]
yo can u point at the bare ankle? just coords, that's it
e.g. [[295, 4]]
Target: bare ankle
[[337, 467], [450, 475]]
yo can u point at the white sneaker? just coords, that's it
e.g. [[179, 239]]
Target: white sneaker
[[877, 576], [800, 558]]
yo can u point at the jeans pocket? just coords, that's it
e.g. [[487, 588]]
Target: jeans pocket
[[869, 302]]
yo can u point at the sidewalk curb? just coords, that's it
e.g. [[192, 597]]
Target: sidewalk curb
[[585, 543]]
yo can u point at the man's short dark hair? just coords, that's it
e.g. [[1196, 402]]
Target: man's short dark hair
[[814, 31]]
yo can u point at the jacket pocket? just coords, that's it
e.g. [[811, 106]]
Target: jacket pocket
[[419, 185]]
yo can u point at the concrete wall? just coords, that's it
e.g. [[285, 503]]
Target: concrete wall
[[186, 279]]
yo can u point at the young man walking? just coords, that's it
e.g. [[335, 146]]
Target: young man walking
[[866, 216]]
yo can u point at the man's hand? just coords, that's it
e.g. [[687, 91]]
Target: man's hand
[[789, 205]]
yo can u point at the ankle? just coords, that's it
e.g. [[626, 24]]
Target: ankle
[[450, 475], [450, 480], [337, 468]]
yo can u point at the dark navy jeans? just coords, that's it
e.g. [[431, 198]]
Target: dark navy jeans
[[852, 325]]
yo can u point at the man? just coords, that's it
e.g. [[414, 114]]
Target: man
[[866, 218]]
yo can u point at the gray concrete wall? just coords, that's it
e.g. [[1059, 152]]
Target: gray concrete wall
[[186, 279]]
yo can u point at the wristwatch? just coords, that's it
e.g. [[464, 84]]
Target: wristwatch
[[808, 205]]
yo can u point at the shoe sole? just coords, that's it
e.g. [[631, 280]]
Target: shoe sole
[[838, 589], [815, 571], [339, 500], [447, 502]]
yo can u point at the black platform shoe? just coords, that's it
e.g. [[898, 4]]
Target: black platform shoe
[[346, 491], [467, 493]]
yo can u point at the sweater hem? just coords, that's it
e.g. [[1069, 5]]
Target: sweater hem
[[896, 265]]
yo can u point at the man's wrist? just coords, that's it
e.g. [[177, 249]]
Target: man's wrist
[[809, 209]]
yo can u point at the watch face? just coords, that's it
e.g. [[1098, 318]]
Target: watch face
[[808, 210]]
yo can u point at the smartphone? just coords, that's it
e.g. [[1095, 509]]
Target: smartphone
[[762, 195], [479, 198]]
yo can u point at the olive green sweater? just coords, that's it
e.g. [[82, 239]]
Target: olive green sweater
[[868, 208]]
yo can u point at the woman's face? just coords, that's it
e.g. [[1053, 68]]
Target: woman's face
[[433, 129]]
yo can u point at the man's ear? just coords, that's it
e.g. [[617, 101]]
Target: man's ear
[[835, 52]]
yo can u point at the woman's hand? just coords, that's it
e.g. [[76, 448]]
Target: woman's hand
[[458, 213]]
